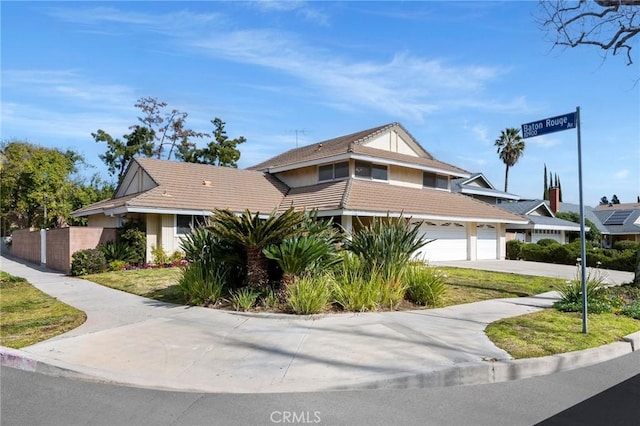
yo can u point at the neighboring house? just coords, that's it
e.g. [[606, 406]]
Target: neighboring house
[[479, 187], [616, 222], [620, 222], [541, 222], [373, 173]]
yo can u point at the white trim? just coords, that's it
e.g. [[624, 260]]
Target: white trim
[[378, 160], [491, 194], [344, 212]]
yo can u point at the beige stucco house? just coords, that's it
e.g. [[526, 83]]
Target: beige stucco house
[[373, 173]]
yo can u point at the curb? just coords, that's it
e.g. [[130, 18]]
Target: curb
[[476, 373], [470, 373]]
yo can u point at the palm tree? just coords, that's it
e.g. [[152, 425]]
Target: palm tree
[[254, 234], [510, 149]]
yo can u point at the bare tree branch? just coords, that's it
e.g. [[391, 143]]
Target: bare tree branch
[[607, 24]]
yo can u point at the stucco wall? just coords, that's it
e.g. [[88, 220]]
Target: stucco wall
[[61, 243]]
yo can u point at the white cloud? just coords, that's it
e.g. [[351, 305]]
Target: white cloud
[[622, 174], [403, 86], [544, 141]]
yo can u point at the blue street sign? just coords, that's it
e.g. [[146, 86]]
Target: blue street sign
[[549, 125]]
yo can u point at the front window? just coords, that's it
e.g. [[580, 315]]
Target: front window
[[184, 223], [434, 180], [368, 170], [333, 171]]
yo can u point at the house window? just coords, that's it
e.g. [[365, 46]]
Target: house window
[[368, 170], [333, 171], [434, 180], [184, 223]]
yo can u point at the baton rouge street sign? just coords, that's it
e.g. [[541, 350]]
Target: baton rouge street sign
[[549, 125]]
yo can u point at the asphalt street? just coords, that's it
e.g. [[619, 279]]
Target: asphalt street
[[607, 393]]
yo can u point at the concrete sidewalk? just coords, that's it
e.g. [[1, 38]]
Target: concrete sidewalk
[[136, 341]]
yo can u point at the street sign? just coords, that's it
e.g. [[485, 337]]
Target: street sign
[[549, 125]]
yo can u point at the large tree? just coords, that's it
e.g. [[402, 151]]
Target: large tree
[[510, 149], [163, 134], [169, 127], [120, 152], [221, 151], [609, 25], [41, 186]]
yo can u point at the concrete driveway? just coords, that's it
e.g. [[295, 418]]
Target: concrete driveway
[[538, 269]]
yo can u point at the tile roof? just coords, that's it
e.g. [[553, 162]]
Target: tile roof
[[378, 197], [182, 186], [521, 207], [353, 144]]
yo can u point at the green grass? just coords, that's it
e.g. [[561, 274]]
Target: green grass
[[29, 316], [156, 283], [551, 332], [470, 285]]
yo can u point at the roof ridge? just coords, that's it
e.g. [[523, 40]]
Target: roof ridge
[[347, 193]]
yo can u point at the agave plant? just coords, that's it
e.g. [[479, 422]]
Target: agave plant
[[253, 234]]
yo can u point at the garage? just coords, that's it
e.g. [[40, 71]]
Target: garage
[[487, 245], [451, 241]]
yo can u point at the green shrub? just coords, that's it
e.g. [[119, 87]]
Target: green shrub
[[200, 246], [425, 285], [176, 256], [269, 299], [354, 287], [391, 293], [133, 235], [625, 245], [309, 295], [534, 252], [597, 300], [632, 310], [159, 256], [89, 261], [513, 249], [118, 251], [301, 254], [243, 299], [545, 242], [387, 244], [117, 265], [201, 286]]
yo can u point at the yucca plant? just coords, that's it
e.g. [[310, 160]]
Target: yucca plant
[[571, 293], [253, 234], [387, 244]]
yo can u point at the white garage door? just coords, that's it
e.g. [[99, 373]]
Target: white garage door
[[450, 244], [487, 245]]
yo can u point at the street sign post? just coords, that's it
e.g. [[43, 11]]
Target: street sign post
[[557, 124]]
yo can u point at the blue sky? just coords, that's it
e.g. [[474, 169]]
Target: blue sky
[[453, 73]]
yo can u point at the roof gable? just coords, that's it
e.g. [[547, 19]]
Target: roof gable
[[390, 144]]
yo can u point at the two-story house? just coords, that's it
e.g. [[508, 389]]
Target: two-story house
[[373, 173]]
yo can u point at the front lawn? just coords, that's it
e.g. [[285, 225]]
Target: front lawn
[[463, 285], [155, 283], [551, 332], [29, 316], [471, 285]]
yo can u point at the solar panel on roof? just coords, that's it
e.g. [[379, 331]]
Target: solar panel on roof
[[618, 217]]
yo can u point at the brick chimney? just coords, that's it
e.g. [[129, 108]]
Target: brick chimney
[[554, 199]]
